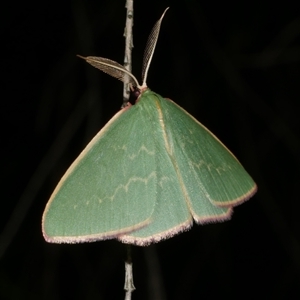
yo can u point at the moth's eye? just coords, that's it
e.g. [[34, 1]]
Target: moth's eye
[[136, 92]]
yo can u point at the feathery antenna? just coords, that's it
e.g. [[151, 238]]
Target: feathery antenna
[[150, 47]]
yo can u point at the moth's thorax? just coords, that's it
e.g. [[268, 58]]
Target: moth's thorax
[[148, 95]]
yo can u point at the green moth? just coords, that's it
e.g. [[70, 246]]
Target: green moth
[[147, 175]]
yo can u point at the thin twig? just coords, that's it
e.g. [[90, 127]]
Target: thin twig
[[128, 286], [128, 47]]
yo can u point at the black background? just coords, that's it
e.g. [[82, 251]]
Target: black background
[[235, 67]]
